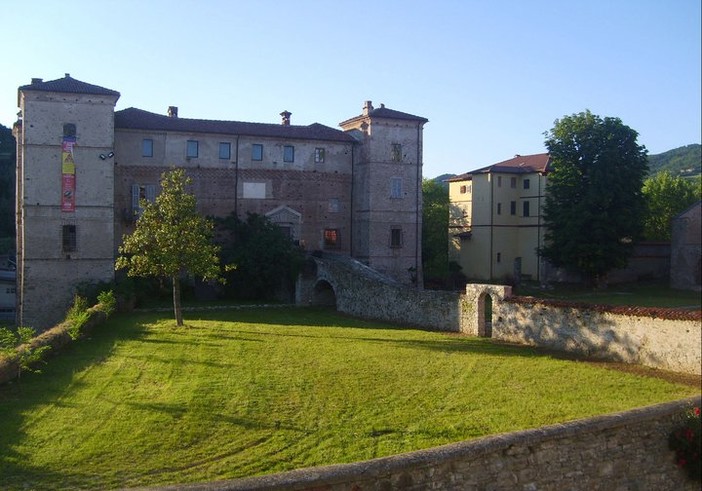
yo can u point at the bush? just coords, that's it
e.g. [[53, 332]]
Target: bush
[[17, 344], [77, 316], [685, 441]]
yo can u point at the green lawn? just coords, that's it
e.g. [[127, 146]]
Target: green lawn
[[245, 392]]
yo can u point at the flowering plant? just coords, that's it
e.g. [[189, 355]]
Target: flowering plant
[[685, 440]]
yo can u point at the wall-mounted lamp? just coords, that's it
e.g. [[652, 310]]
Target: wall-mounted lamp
[[108, 156]]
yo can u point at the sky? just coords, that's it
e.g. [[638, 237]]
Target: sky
[[490, 76]]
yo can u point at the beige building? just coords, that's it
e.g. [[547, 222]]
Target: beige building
[[495, 224], [82, 169]]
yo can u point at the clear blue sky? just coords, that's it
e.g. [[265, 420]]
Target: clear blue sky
[[491, 76]]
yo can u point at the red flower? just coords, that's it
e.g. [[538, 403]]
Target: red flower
[[696, 411]]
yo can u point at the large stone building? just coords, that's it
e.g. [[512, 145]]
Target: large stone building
[[82, 169], [495, 224]]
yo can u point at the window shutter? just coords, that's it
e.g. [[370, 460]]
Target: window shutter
[[135, 198]]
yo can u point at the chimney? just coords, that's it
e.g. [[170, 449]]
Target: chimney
[[68, 75], [367, 108], [37, 81], [286, 118], [172, 111]]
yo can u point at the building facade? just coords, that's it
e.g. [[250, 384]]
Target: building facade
[[83, 167], [495, 224]]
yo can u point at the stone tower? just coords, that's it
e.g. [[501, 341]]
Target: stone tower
[[65, 194], [387, 192]]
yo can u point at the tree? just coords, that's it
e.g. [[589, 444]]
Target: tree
[[594, 206], [265, 257], [435, 217], [666, 196], [7, 189], [171, 239]]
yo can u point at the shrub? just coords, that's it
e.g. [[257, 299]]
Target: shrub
[[685, 441], [107, 302], [77, 316], [17, 344]]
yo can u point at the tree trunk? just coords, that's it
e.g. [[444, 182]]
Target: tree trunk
[[177, 310]]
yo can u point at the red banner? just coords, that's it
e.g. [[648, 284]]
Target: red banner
[[68, 175]]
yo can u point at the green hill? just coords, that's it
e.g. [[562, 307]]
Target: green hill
[[682, 161]]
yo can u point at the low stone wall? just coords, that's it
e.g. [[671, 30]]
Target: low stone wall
[[668, 339], [627, 450], [56, 338]]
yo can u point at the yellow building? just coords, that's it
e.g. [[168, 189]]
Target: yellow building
[[495, 223]]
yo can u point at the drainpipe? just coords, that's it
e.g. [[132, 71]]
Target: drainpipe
[[538, 233], [492, 214], [236, 179], [351, 208], [418, 211]]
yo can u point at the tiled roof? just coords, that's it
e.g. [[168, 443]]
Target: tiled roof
[[384, 112], [138, 119], [519, 164], [68, 85]]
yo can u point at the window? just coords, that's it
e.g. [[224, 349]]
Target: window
[[147, 147], [225, 150], [396, 187], [318, 155], [499, 208], [395, 237], [69, 129], [526, 183], [256, 151], [513, 182], [396, 152], [499, 257], [331, 238], [69, 238], [288, 153], [499, 181], [464, 190], [192, 149], [525, 208], [512, 207], [141, 192]]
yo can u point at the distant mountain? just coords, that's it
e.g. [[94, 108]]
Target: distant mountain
[[442, 178], [682, 161]]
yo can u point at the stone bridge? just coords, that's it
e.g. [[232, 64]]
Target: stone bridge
[[355, 289]]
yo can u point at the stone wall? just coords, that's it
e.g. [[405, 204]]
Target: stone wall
[[627, 450], [667, 339]]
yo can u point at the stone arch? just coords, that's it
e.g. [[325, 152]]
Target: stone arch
[[485, 309], [323, 294]]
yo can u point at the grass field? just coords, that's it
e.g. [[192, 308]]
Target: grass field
[[245, 392]]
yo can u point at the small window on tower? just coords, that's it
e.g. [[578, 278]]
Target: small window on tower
[[395, 237], [69, 129], [69, 240], [257, 152], [396, 152]]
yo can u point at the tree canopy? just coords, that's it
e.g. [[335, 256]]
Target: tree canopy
[[667, 196], [594, 204], [435, 215], [266, 258], [171, 239]]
